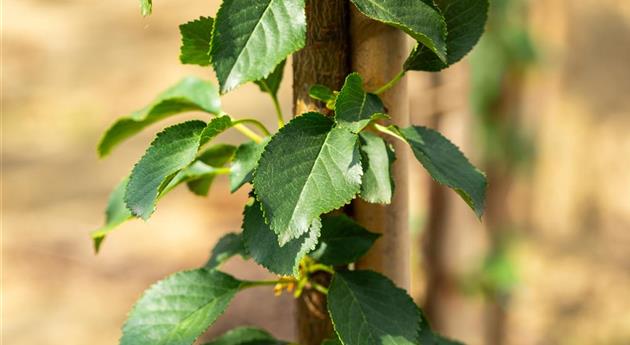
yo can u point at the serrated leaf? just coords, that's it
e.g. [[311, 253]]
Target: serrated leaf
[[215, 127], [308, 168], [178, 309], [366, 308], [146, 7], [271, 84], [377, 158], [251, 37], [115, 214], [465, 21], [262, 243], [447, 165], [246, 336], [334, 341], [342, 241], [228, 246], [245, 162], [172, 150], [215, 156], [425, 334], [418, 19], [188, 95], [354, 107], [196, 36], [321, 93]]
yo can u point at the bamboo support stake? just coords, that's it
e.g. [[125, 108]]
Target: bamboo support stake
[[378, 53]]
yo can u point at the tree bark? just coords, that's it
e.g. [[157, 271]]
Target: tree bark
[[324, 60], [378, 53]]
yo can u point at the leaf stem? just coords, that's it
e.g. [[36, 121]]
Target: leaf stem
[[320, 267], [276, 104], [254, 122], [222, 171], [320, 288], [389, 131], [254, 283], [390, 83]]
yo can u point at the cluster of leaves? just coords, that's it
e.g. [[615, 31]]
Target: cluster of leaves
[[311, 166]]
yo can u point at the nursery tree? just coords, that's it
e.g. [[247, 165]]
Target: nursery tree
[[302, 177]]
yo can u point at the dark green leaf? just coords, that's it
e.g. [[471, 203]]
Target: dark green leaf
[[366, 308], [228, 246], [343, 241], [115, 214], [425, 334], [178, 309], [196, 36], [245, 161], [146, 7], [172, 150], [251, 37], [465, 21], [354, 107], [442, 340], [215, 156], [271, 84], [216, 126], [187, 95], [417, 18], [246, 336], [447, 165], [334, 341], [321, 93], [262, 243], [308, 168], [377, 158]]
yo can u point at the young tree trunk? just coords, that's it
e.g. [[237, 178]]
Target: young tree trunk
[[378, 52], [324, 60]]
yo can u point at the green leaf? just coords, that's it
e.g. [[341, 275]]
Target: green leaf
[[262, 243], [417, 18], [196, 36], [343, 241], [246, 336], [377, 159], [448, 165], [334, 341], [308, 168], [251, 37], [425, 334], [228, 246], [442, 340], [178, 309], [354, 107], [245, 161], [321, 93], [115, 214], [189, 94], [465, 21], [216, 126], [271, 84], [366, 308], [215, 156], [172, 150], [146, 7]]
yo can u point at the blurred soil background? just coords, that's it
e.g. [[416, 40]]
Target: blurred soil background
[[70, 67]]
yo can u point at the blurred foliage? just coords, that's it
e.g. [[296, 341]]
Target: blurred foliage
[[498, 62]]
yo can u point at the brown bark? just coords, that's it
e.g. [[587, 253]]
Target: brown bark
[[324, 60], [378, 53]]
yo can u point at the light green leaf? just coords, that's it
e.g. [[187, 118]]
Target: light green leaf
[[308, 168], [377, 158], [178, 309], [415, 17], [196, 36], [354, 107], [366, 308], [262, 243], [115, 214], [245, 161], [448, 165], [246, 336], [271, 84], [189, 94], [251, 37], [343, 241], [228, 246], [321, 93], [172, 150], [146, 7], [465, 21]]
